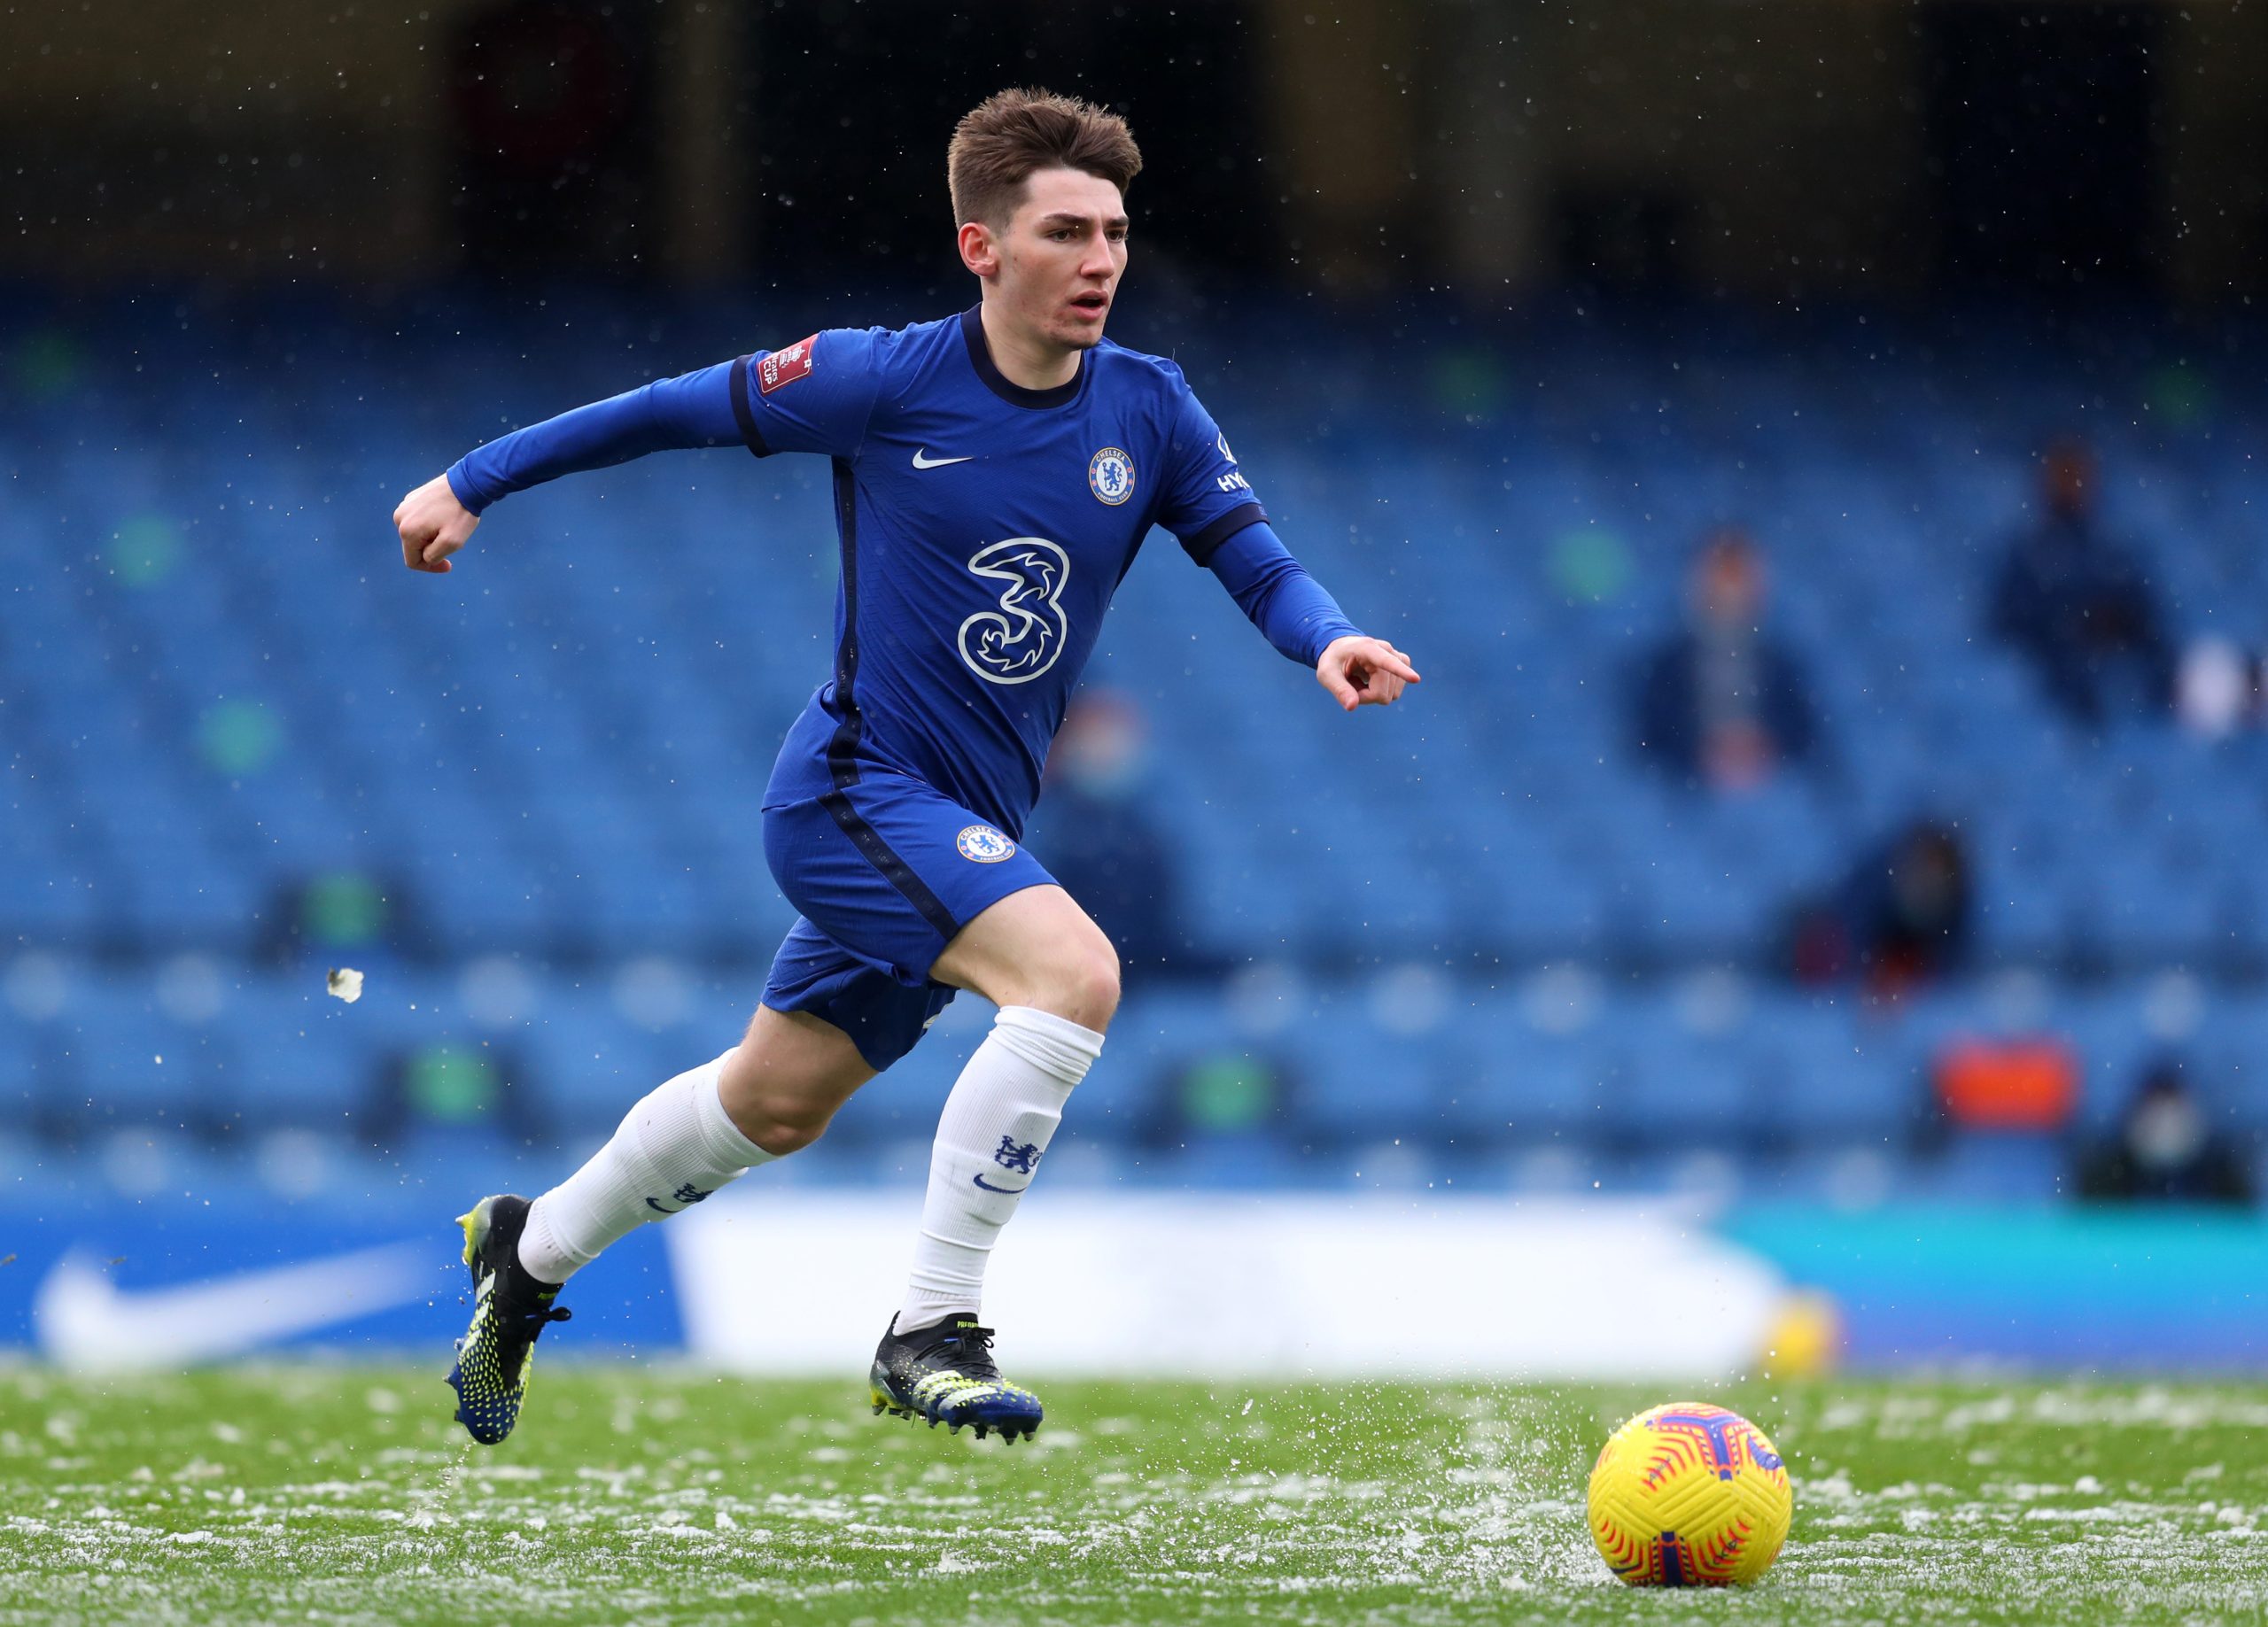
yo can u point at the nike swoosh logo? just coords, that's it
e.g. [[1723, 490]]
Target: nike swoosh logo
[[83, 1320], [989, 1186], [922, 460]]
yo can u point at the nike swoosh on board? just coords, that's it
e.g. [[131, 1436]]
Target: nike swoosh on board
[[922, 460], [83, 1320], [989, 1186]]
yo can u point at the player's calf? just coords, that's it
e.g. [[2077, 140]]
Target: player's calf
[[676, 1147], [997, 1122]]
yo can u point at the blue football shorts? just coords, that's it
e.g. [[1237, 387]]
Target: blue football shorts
[[884, 872]]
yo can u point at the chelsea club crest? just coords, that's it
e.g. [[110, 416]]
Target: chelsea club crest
[[983, 845], [1110, 475]]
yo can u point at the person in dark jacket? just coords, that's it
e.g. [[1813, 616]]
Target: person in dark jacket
[[1102, 838], [2078, 606], [1902, 918], [2165, 1150], [1722, 703]]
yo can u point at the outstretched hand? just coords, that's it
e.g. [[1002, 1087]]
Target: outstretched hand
[[1361, 671], [433, 525]]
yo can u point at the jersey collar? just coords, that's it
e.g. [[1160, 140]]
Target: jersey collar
[[980, 357]]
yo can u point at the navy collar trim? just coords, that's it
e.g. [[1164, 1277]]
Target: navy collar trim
[[980, 357]]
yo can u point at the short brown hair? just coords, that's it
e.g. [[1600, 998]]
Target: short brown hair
[[1000, 142]]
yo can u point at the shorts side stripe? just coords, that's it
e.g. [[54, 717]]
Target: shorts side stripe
[[895, 869]]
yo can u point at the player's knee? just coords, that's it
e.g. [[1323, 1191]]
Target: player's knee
[[781, 1136], [778, 1122], [1102, 985], [780, 1129], [1084, 984]]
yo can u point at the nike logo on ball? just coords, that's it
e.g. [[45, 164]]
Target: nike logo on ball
[[922, 460]]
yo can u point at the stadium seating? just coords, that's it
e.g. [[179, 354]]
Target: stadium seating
[[220, 684]]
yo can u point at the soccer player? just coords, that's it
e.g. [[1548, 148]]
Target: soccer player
[[994, 474]]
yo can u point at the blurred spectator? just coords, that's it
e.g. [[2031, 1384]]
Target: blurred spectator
[[2164, 1150], [2078, 604], [1722, 703], [1902, 919], [1094, 832]]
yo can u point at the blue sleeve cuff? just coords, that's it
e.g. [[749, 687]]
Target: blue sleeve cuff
[[1322, 636], [461, 482]]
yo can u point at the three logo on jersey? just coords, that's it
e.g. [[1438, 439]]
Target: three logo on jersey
[[1021, 639], [1024, 637]]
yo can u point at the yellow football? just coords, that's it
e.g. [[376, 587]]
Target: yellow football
[[1690, 1495]]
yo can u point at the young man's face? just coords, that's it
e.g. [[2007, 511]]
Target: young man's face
[[1062, 256]]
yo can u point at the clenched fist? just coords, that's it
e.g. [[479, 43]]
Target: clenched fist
[[433, 525]]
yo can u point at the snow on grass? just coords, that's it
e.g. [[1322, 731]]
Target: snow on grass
[[683, 1497]]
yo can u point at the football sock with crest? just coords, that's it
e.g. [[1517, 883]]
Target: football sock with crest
[[998, 1119], [674, 1147]]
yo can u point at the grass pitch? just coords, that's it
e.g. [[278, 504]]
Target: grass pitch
[[328, 1493]]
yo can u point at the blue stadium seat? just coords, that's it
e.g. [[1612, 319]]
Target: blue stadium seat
[[1996, 1168], [587, 1063], [1160, 1033], [306, 1062], [1834, 1075], [2110, 1030], [23, 1100], [2232, 1053], [1686, 1086], [1517, 1084], [128, 1063]]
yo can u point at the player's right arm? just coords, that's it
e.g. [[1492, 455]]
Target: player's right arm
[[812, 396]]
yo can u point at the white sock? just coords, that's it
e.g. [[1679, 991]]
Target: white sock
[[998, 1119], [674, 1149]]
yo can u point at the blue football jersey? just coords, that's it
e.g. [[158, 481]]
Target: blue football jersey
[[984, 528]]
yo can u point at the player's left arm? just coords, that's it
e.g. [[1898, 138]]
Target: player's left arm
[[1302, 621]]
